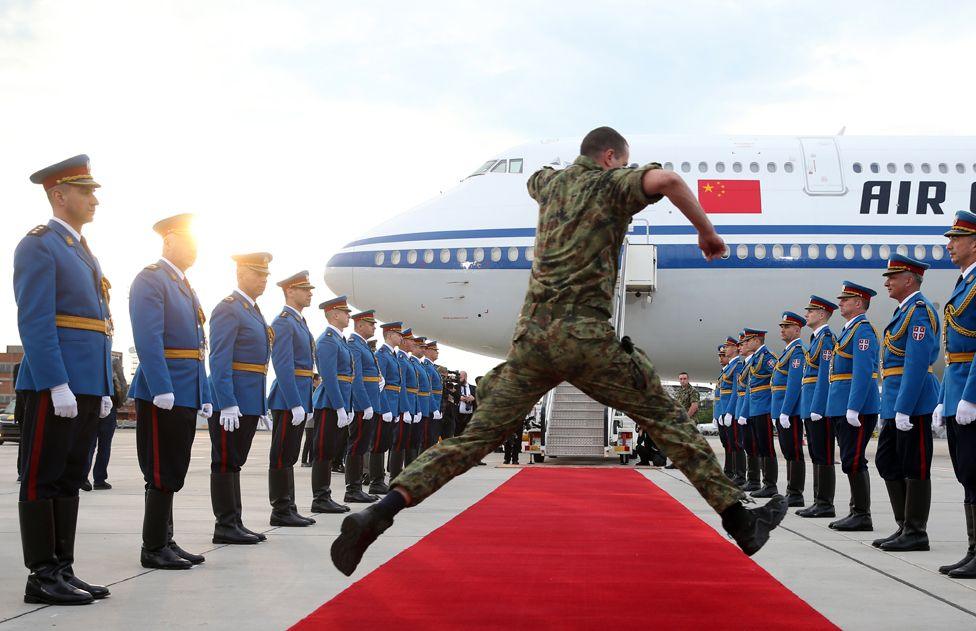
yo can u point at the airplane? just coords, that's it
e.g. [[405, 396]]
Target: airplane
[[800, 214]]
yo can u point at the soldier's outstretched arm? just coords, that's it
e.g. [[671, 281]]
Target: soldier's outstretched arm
[[672, 186]]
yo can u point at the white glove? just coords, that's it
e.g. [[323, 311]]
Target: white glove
[[382, 383], [438, 416], [230, 418], [206, 410], [407, 417], [852, 418], [344, 418], [309, 415], [938, 420], [715, 424], [728, 419], [297, 415], [784, 421], [164, 401], [814, 416], [106, 407], [417, 417], [266, 420], [368, 413], [387, 417], [64, 401], [965, 412], [742, 420], [903, 422]]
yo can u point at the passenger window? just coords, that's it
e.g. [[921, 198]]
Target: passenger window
[[702, 167], [771, 167], [754, 167], [720, 167], [875, 167], [909, 167], [685, 167], [668, 166], [857, 167], [501, 167], [737, 167], [960, 167], [926, 167], [891, 167], [515, 165], [943, 167], [788, 167]]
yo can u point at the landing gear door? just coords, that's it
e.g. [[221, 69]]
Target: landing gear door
[[821, 164]]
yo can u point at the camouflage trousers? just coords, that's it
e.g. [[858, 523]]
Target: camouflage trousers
[[552, 344]]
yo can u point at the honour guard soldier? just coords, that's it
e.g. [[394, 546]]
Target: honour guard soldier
[[65, 379], [332, 401], [170, 385], [744, 436], [392, 425], [853, 401], [433, 429], [813, 407], [730, 375], [240, 349], [420, 427], [729, 459], [409, 406], [366, 404], [785, 405], [755, 411], [957, 399], [293, 357], [909, 395]]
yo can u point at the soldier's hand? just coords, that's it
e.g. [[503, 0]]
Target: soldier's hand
[[711, 245], [784, 421], [903, 422], [106, 407], [853, 418], [387, 417], [230, 418], [368, 413], [382, 382], [64, 401], [815, 417], [742, 420], [298, 415], [938, 420], [344, 417], [164, 401], [965, 412], [437, 415], [417, 417], [206, 410]]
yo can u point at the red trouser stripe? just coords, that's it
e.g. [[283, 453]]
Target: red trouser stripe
[[155, 448], [359, 431], [857, 445], [922, 473], [379, 431], [285, 419], [37, 446], [321, 442], [223, 450]]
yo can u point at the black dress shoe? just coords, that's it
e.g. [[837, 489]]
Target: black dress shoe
[[877, 542], [102, 486], [328, 506], [751, 527], [232, 535], [358, 497], [46, 586], [794, 500], [907, 542], [356, 534], [163, 559], [945, 569], [287, 519], [966, 571], [97, 591], [818, 511], [194, 559], [86, 486], [853, 523]]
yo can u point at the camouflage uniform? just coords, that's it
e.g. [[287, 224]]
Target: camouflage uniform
[[564, 334], [685, 396]]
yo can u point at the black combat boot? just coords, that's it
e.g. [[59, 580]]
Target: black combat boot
[[226, 529], [751, 527], [770, 470], [739, 470], [377, 475], [291, 497], [970, 514], [796, 473], [45, 584], [804, 512], [913, 538], [321, 492], [156, 553], [354, 482], [361, 529], [281, 514], [194, 559], [65, 524], [239, 507], [823, 505], [896, 495], [859, 519], [752, 474]]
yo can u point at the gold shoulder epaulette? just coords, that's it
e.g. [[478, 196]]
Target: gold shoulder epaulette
[[152, 267], [37, 231], [284, 313], [229, 299]]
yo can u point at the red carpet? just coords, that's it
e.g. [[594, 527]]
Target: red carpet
[[570, 548]]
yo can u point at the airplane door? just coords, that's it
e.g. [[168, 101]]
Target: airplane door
[[821, 162]]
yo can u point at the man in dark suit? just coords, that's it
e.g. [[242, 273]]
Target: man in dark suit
[[102, 440], [467, 403]]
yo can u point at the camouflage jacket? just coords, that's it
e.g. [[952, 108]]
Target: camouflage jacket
[[686, 395], [584, 214]]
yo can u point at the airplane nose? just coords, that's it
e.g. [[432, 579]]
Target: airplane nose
[[338, 277]]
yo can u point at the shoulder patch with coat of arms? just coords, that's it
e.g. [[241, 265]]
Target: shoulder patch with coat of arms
[[863, 344]]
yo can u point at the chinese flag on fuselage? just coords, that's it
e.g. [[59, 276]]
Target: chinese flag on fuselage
[[730, 196]]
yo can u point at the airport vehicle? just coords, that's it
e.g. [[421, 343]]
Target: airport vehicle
[[9, 427]]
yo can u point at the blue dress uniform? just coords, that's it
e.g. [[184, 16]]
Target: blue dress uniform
[[854, 388], [723, 432], [293, 358], [335, 362], [240, 349], [786, 390], [959, 385], [433, 430], [813, 401], [389, 368], [423, 404], [727, 385], [743, 436], [66, 328], [756, 410], [409, 408], [167, 324], [366, 401], [909, 395]]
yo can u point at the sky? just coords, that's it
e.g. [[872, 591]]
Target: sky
[[293, 127]]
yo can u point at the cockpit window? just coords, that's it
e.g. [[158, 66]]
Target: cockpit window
[[515, 165], [483, 168], [501, 167]]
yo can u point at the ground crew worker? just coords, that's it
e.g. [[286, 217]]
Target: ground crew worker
[[957, 398], [433, 431], [730, 377], [170, 385], [64, 381], [746, 439], [754, 412], [393, 424], [785, 405], [909, 395], [813, 407], [729, 459], [564, 333], [853, 401], [293, 357], [240, 349], [332, 401], [420, 427], [688, 398], [366, 404]]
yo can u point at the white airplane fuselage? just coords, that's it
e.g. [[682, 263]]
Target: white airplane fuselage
[[800, 215]]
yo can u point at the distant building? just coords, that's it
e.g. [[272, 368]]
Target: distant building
[[8, 360], [133, 363]]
